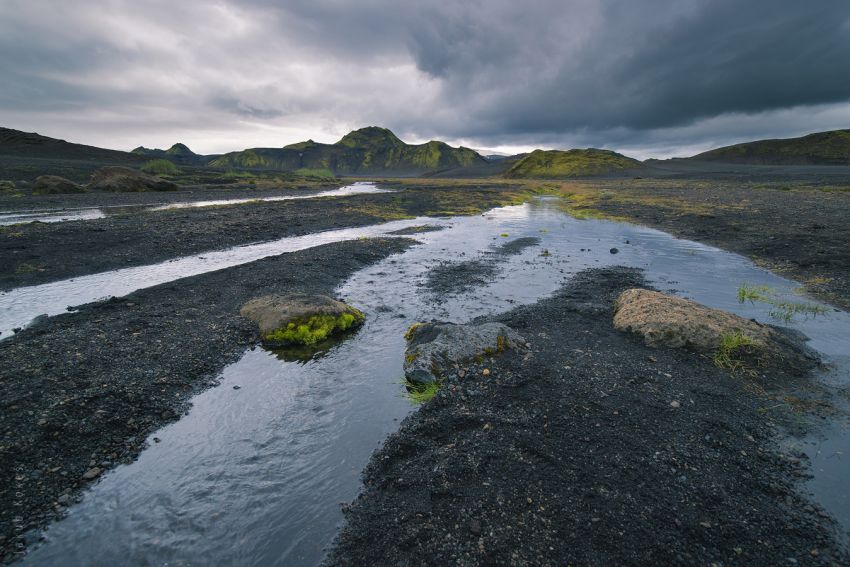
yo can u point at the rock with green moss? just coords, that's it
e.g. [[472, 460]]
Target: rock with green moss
[[127, 180], [55, 185], [434, 349], [733, 342], [300, 319]]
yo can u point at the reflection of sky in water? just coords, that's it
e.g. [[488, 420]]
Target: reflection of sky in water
[[256, 475], [7, 219]]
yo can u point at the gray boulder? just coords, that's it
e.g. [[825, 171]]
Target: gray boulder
[[300, 318], [433, 349], [127, 180]]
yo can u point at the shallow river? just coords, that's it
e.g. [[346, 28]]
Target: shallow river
[[255, 475], [92, 213]]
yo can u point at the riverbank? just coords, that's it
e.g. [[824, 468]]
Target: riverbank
[[36, 253], [797, 228], [594, 450], [81, 392]]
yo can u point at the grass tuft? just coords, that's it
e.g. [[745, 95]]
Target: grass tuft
[[783, 310], [732, 346], [420, 393]]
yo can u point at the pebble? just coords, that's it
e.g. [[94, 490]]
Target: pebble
[[92, 473], [675, 404], [486, 372]]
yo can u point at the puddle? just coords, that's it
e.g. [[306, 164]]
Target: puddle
[[8, 218], [256, 475], [357, 188], [92, 213]]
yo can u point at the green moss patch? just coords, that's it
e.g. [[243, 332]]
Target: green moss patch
[[311, 330]]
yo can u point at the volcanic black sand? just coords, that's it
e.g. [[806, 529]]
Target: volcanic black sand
[[35, 253], [800, 229], [80, 392], [591, 450], [650, 484]]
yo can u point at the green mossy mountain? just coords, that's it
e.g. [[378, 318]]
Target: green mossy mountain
[[369, 150], [559, 164], [178, 153], [821, 148]]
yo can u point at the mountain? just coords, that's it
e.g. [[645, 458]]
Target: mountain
[[558, 164], [822, 148], [31, 145], [370, 150], [178, 153]]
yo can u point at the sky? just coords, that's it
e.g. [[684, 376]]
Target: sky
[[649, 78]]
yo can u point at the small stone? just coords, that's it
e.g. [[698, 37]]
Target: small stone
[[614, 251], [475, 527], [675, 404], [237, 387], [486, 372], [92, 473], [814, 553]]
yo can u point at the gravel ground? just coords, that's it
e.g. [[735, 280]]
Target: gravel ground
[[80, 392], [592, 450]]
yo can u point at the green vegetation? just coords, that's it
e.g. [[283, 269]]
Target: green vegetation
[[160, 167], [557, 164], [324, 173], [365, 151], [420, 393], [408, 335], [782, 310], [7, 186], [822, 148], [314, 329], [732, 348]]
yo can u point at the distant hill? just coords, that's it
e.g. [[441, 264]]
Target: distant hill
[[31, 145], [178, 153], [558, 164], [822, 148], [370, 150]]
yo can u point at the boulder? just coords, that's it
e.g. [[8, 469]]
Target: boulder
[[300, 318], [669, 321], [125, 179], [433, 349], [55, 185]]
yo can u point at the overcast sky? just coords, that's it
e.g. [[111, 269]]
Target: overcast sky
[[651, 78]]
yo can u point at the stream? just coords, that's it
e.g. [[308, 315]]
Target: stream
[[255, 475], [8, 218]]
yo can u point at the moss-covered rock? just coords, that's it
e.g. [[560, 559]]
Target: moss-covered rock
[[558, 164], [734, 342], [433, 349], [299, 318], [55, 185], [125, 179]]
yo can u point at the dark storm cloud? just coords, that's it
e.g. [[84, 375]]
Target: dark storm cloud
[[550, 72]]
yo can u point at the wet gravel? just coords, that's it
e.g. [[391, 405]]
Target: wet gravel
[[452, 277], [80, 392], [591, 450]]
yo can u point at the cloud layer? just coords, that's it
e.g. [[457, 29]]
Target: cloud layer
[[656, 77]]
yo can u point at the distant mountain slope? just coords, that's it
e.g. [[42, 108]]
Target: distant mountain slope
[[32, 145], [368, 150], [178, 153], [558, 164], [822, 148]]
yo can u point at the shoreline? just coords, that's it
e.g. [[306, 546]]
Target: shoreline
[[592, 449]]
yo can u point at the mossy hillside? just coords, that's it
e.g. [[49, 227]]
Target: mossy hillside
[[314, 329], [160, 167], [821, 148], [557, 164], [367, 151]]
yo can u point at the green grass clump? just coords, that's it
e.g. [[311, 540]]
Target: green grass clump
[[322, 173], [420, 393], [160, 167], [732, 346], [314, 329], [783, 310]]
